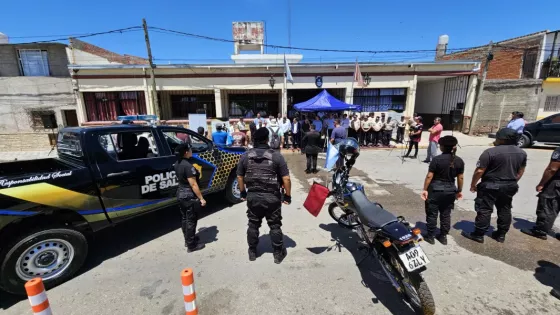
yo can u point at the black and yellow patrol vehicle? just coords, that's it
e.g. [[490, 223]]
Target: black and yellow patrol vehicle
[[102, 176]]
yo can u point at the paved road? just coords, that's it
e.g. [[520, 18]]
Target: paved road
[[134, 269]]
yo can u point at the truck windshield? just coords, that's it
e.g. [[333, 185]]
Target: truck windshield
[[69, 143]]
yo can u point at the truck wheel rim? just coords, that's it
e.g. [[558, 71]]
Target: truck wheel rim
[[235, 189], [46, 259]]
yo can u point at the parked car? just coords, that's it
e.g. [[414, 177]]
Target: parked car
[[102, 176], [545, 131]]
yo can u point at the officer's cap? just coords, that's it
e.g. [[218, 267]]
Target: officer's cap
[[448, 141], [506, 134], [261, 135]]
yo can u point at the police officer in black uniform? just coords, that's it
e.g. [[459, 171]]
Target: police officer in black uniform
[[548, 205], [189, 196], [264, 171], [440, 191], [498, 169]]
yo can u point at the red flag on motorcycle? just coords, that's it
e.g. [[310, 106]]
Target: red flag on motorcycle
[[316, 198]]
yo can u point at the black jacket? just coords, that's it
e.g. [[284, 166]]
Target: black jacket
[[312, 142]]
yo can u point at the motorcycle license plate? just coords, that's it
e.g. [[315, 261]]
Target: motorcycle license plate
[[414, 258]]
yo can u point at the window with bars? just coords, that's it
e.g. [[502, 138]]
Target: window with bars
[[34, 62], [552, 104], [529, 63], [380, 100], [183, 105]]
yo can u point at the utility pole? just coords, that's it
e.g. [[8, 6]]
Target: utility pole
[[152, 67], [480, 89]]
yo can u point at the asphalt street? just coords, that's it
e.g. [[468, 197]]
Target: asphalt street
[[135, 268]]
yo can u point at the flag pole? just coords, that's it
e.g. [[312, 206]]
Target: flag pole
[[284, 92]]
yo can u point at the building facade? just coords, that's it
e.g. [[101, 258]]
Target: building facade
[[550, 73], [243, 90], [36, 95], [513, 79]]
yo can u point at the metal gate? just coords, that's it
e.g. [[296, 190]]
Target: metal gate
[[454, 99]]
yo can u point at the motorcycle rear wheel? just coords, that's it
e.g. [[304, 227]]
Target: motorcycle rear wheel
[[413, 287], [347, 219]]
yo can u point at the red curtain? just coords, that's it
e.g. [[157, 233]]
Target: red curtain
[[107, 106], [91, 107], [129, 103], [141, 103]]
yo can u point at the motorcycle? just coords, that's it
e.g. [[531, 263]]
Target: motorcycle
[[387, 238]]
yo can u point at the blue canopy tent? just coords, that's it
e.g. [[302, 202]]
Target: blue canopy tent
[[324, 102]]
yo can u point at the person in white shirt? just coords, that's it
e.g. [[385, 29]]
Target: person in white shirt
[[286, 127], [295, 132], [241, 125]]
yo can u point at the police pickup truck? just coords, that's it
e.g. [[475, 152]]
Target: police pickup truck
[[102, 176]]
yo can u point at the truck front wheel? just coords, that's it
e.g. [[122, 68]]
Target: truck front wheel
[[233, 195], [54, 254]]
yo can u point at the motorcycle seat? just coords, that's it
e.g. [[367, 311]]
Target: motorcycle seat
[[369, 212]]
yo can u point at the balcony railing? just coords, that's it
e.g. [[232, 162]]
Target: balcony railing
[[550, 68]]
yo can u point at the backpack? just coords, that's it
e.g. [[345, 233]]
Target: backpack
[[275, 138]]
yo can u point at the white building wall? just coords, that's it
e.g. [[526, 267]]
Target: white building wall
[[429, 96], [76, 56], [550, 88]]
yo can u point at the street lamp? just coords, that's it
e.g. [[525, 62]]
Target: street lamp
[[271, 81], [367, 80]]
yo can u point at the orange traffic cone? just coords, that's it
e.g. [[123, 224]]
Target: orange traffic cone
[[189, 295], [38, 297]]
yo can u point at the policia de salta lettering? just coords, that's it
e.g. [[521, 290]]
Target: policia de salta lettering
[[189, 196], [263, 171], [498, 169], [440, 191], [548, 205]]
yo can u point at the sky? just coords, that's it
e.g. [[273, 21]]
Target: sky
[[328, 24]]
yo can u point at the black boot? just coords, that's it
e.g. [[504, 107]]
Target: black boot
[[555, 293], [535, 233], [430, 239], [499, 236], [252, 254], [442, 238], [195, 248], [196, 240], [280, 255], [473, 236]]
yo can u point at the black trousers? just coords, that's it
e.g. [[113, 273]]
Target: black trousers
[[400, 135], [490, 194], [441, 200], [311, 162], [410, 145], [296, 140], [352, 133], [387, 134], [375, 137], [548, 206], [364, 137], [287, 136], [189, 218], [269, 206]]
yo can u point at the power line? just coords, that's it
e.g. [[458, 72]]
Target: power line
[[223, 40], [120, 30]]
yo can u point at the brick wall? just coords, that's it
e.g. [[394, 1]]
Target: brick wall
[[508, 57], [28, 141], [109, 55], [501, 97]]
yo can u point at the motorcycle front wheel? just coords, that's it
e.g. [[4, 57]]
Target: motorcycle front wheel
[[344, 217]]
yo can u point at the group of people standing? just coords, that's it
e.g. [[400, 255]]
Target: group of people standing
[[376, 131], [495, 182]]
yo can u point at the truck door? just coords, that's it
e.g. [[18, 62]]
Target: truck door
[[549, 129], [134, 177], [204, 158]]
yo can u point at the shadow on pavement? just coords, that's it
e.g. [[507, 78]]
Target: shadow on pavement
[[208, 235], [373, 276], [519, 223], [265, 245], [130, 234], [548, 274], [468, 226]]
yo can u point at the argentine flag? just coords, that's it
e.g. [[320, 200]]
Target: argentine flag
[[287, 71], [332, 156]]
